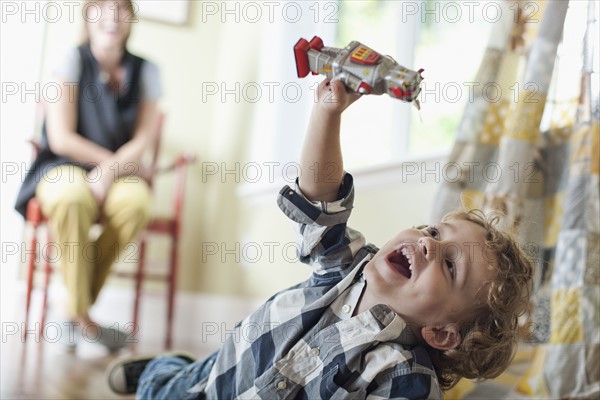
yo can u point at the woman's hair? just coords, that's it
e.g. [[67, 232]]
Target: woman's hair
[[489, 339], [90, 5]]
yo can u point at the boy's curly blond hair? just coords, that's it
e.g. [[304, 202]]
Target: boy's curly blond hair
[[489, 341]]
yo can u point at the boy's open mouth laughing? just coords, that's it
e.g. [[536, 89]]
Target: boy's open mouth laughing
[[400, 260]]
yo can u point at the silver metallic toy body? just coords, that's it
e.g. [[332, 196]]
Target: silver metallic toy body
[[362, 69]]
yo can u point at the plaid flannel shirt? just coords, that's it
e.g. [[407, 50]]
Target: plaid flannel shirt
[[304, 343]]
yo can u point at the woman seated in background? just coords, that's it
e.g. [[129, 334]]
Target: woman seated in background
[[88, 168]]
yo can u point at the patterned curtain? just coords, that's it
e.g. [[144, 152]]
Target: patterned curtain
[[533, 154]]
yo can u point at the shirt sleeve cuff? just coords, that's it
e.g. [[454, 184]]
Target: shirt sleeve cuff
[[303, 211]]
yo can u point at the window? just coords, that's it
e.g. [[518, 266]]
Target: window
[[447, 39], [379, 131]]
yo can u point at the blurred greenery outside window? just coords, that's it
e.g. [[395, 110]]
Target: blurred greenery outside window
[[447, 40]]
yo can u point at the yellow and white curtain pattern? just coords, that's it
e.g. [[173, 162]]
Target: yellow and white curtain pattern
[[535, 156]]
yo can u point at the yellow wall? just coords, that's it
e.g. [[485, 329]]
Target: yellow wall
[[219, 132]]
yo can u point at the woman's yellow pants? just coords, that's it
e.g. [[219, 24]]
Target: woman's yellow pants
[[67, 201]]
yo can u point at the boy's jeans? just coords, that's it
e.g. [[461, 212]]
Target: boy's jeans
[[170, 377]]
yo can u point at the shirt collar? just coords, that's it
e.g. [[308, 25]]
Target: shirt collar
[[393, 327]]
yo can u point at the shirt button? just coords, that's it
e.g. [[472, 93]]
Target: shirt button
[[346, 308], [281, 385], [315, 351], [291, 192]]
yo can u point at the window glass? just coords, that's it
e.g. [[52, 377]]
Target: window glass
[[447, 39], [451, 42]]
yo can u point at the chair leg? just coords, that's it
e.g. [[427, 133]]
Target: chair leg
[[139, 277], [171, 291], [47, 273], [30, 273]]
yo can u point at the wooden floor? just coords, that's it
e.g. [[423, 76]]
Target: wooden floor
[[46, 370]]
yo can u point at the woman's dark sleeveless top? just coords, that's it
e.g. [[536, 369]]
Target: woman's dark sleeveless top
[[105, 118]]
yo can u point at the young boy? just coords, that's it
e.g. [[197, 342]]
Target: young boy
[[435, 304]]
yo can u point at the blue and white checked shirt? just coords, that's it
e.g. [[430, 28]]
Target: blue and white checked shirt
[[304, 343]]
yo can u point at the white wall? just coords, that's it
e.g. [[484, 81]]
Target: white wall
[[22, 41]]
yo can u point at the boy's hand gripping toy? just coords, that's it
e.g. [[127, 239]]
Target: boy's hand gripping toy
[[362, 69]]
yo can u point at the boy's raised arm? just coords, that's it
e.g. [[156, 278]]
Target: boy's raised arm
[[321, 159]]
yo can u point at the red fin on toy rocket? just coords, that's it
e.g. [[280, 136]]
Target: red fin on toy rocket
[[316, 43], [301, 54]]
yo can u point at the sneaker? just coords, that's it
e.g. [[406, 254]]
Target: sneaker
[[123, 374], [114, 339]]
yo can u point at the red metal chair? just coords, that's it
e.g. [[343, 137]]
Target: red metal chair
[[163, 225]]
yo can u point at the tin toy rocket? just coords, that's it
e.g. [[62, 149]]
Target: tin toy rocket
[[362, 69]]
